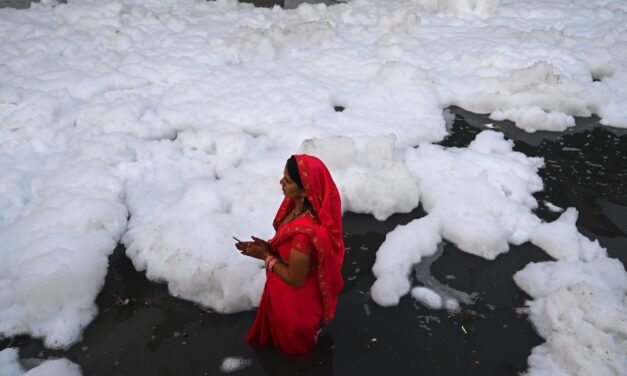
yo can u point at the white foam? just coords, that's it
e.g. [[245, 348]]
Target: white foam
[[403, 247], [56, 246], [370, 178], [234, 363], [578, 305], [552, 207], [482, 195], [535, 118], [427, 297], [10, 366], [562, 240], [181, 114], [579, 309], [460, 7]]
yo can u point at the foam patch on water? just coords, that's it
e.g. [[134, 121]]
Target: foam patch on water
[[482, 195], [10, 366], [428, 297], [579, 309], [403, 247], [562, 241], [234, 363], [56, 245]]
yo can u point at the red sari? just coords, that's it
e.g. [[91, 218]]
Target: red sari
[[288, 317]]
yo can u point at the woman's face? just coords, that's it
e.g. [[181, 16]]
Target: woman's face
[[290, 188]]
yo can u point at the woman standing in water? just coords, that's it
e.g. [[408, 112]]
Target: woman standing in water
[[303, 260]]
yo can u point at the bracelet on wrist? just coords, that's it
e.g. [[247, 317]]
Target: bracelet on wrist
[[269, 260], [271, 264]]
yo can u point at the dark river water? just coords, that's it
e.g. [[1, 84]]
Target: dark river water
[[142, 330]]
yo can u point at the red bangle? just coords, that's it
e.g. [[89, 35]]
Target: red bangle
[[268, 260]]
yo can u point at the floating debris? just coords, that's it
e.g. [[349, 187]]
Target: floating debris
[[429, 318], [234, 363], [450, 297], [522, 311]]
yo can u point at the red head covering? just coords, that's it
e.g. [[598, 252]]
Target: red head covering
[[327, 238]]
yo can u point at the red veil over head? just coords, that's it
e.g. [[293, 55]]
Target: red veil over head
[[327, 239]]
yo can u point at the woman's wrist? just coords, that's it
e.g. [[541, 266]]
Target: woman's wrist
[[271, 263], [268, 259]]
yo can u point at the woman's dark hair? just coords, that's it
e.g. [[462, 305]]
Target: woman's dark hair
[[292, 170]]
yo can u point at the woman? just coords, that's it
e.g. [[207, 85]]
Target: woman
[[303, 260]]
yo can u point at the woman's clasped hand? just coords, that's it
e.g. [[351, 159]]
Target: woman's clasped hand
[[257, 248]]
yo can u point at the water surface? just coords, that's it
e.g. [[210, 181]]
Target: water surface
[[141, 329]]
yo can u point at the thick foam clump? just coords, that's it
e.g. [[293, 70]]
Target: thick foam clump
[[370, 178], [10, 366], [234, 363], [578, 303], [56, 242], [535, 118], [428, 297], [482, 195], [579, 309], [535, 98], [460, 7], [402, 248], [562, 241]]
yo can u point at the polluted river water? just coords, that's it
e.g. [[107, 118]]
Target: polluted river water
[[141, 329]]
